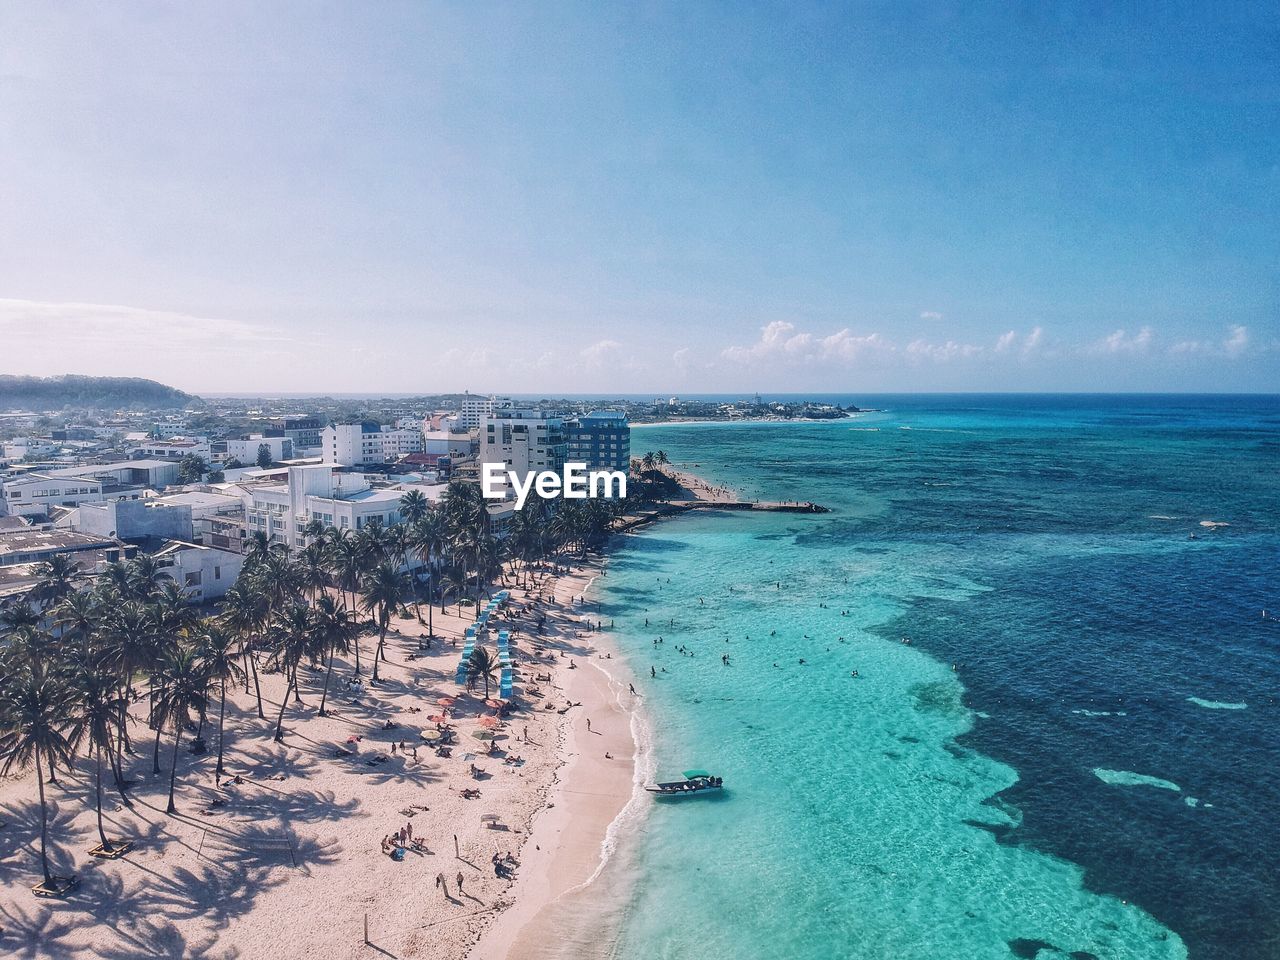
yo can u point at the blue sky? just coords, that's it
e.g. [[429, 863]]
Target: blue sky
[[666, 197]]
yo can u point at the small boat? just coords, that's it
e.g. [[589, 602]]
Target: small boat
[[694, 782]]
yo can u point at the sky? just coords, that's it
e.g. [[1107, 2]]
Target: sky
[[683, 197]]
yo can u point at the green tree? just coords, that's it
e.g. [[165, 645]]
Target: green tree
[[481, 666], [264, 456], [96, 703], [381, 595], [191, 468], [183, 686], [34, 713]]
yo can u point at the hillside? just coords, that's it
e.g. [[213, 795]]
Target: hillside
[[77, 392]]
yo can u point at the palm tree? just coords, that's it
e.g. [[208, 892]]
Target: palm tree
[[221, 662], [481, 666], [426, 539], [335, 629], [183, 690], [244, 612], [313, 567], [381, 597], [414, 506], [35, 711], [454, 581], [57, 580], [292, 635], [96, 711]]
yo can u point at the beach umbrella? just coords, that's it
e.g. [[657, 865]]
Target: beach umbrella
[[446, 701], [484, 735], [494, 704], [437, 718], [490, 722], [430, 735]]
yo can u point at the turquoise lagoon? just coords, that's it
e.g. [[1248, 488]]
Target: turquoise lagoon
[[947, 802]]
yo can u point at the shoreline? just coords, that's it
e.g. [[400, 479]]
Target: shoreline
[[574, 834]]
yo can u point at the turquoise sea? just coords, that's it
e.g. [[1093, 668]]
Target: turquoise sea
[[1076, 755]]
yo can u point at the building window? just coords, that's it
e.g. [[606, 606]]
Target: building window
[[193, 579]]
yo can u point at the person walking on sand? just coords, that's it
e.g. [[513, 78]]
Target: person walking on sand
[[460, 881], [443, 884], [588, 724]]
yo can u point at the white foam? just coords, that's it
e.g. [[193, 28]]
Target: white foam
[[1127, 778], [1217, 704]]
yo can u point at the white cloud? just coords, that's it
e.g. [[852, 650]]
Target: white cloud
[[1121, 342], [1236, 342], [599, 354], [776, 339], [918, 350], [930, 315], [844, 345], [1004, 343], [1232, 346]]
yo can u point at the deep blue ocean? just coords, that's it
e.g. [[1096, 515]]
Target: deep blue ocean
[[1063, 739]]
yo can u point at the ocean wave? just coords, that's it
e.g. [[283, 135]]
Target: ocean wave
[[1214, 524], [1100, 713], [1216, 704], [1127, 778]]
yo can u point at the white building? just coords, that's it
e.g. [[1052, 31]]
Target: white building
[[245, 449], [343, 500], [446, 443], [32, 494], [475, 410], [354, 444], [175, 448], [204, 572], [525, 441]]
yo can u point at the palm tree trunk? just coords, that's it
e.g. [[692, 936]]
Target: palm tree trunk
[[173, 774], [382, 636], [257, 688], [118, 772], [327, 674], [297, 689], [44, 823], [97, 792], [284, 702], [155, 757], [222, 713]]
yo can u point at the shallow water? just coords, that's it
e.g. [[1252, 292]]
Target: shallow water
[[1072, 788]]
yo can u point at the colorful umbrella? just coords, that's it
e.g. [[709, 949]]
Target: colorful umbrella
[[446, 701], [484, 735], [430, 735], [490, 722]]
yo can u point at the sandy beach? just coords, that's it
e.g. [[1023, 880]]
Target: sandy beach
[[286, 860]]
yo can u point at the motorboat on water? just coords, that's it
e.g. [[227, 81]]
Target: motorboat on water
[[695, 782]]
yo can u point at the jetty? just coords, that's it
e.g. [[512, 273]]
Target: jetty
[[674, 507]]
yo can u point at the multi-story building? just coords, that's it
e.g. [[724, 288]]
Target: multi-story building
[[303, 431], [526, 441], [475, 410], [319, 492], [245, 449], [32, 494], [356, 444], [352, 444], [601, 440], [401, 441], [175, 448]]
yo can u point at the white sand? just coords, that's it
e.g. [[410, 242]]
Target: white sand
[[290, 866]]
